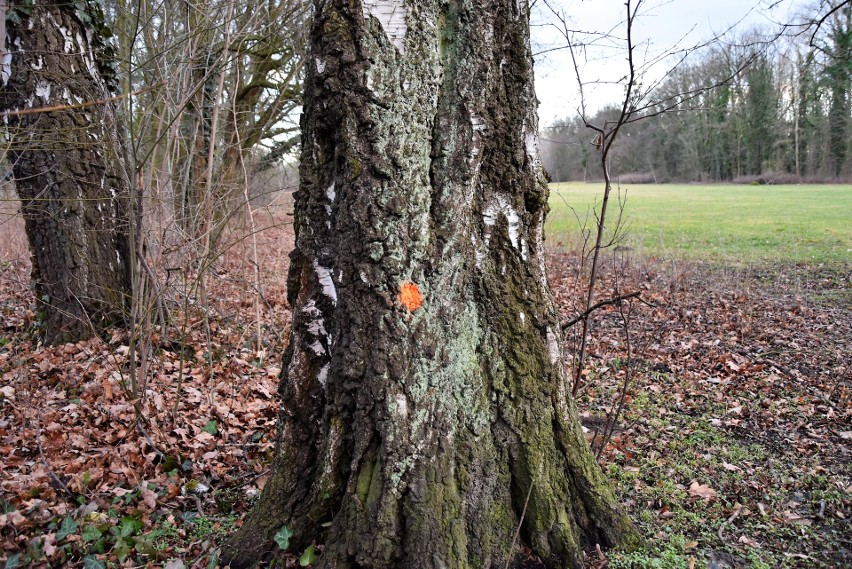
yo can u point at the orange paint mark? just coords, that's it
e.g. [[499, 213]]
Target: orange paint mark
[[410, 297]]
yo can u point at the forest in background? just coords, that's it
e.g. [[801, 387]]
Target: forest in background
[[765, 107]]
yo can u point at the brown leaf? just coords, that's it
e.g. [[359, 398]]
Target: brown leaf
[[49, 544], [149, 497], [697, 490]]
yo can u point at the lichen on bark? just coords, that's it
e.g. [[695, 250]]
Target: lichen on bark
[[434, 426]]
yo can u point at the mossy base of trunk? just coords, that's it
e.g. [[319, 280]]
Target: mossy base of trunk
[[458, 514]]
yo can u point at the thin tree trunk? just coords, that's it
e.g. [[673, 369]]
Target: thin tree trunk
[[67, 165], [424, 397]]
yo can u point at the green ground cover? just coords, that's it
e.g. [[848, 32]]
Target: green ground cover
[[726, 223]]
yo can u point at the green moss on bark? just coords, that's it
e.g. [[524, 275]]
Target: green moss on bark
[[450, 415]]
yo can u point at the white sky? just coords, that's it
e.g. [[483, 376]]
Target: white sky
[[663, 25]]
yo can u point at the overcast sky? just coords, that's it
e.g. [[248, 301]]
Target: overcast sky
[[661, 27]]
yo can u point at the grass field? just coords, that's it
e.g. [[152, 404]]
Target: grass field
[[726, 223]]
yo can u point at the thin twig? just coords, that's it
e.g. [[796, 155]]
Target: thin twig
[[60, 485], [82, 105], [148, 438], [601, 304], [520, 523], [729, 521], [780, 367], [612, 418]]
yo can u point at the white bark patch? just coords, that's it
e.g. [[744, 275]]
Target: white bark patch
[[477, 123], [553, 347], [391, 15], [531, 140], [320, 64], [43, 90], [88, 57], [326, 281], [502, 206], [401, 405], [316, 328], [67, 38], [7, 66], [531, 144], [523, 318], [7, 57], [480, 250], [322, 376], [330, 193], [539, 241], [317, 348]]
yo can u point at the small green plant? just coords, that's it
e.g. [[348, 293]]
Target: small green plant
[[309, 557], [211, 427], [282, 537], [670, 555]]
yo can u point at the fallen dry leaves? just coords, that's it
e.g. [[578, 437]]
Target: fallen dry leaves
[[697, 490], [91, 475], [740, 393]]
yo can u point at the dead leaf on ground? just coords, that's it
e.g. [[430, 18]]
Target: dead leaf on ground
[[697, 490]]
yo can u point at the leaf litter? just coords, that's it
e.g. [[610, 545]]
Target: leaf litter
[[732, 447], [733, 438]]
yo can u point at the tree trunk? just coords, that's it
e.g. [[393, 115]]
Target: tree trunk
[[425, 414], [67, 164]]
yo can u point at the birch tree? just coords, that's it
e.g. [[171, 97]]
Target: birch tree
[[65, 148], [425, 418]]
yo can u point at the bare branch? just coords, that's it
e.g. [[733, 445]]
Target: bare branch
[[601, 304]]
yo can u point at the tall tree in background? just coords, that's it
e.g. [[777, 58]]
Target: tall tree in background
[[425, 414], [838, 71], [760, 114], [808, 118], [68, 163]]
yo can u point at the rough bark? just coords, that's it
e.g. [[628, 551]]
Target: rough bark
[[67, 164], [413, 436]]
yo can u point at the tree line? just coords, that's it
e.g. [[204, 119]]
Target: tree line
[[767, 108]]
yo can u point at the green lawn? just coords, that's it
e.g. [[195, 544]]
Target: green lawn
[[729, 223]]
